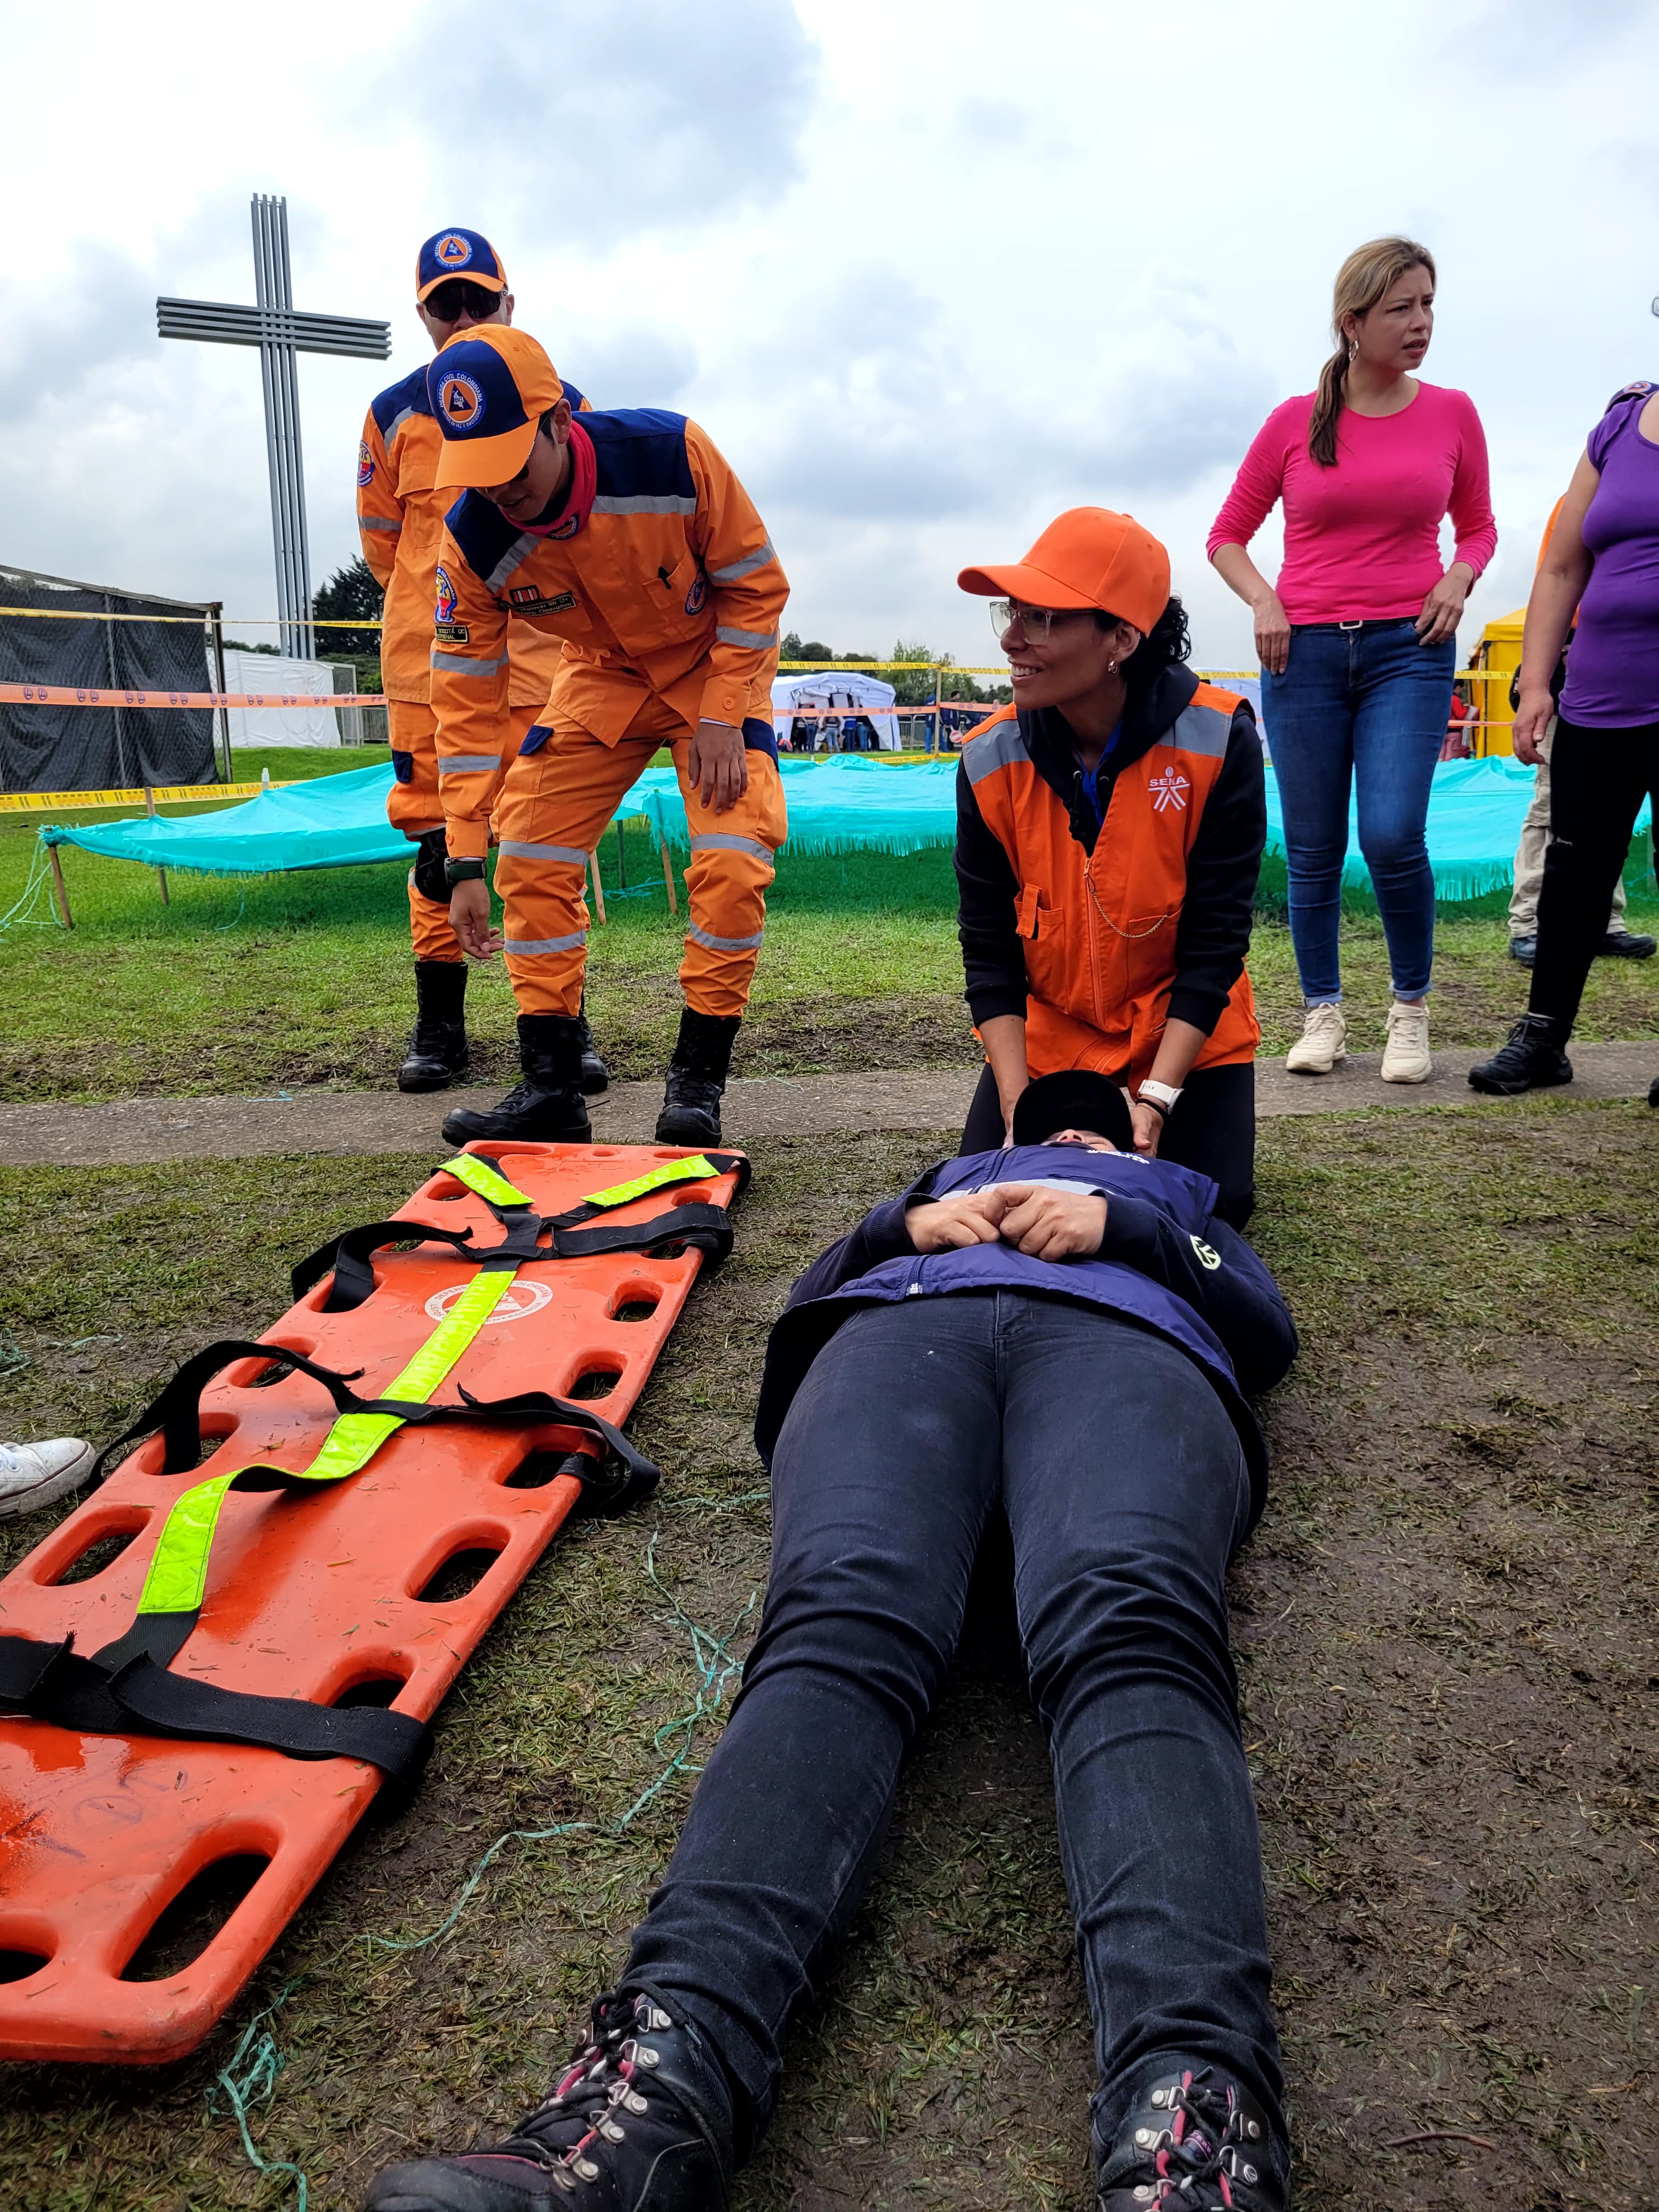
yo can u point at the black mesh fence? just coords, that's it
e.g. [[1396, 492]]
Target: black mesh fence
[[98, 748]]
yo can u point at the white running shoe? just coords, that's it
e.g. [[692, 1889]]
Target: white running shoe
[[1323, 1041], [31, 1475], [1406, 1056]]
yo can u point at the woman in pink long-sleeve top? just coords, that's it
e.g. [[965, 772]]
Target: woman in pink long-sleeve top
[[1358, 641]]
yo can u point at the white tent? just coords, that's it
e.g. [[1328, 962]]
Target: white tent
[[835, 691]]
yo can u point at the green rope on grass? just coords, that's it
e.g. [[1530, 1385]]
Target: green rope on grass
[[257, 2063], [251, 2079]]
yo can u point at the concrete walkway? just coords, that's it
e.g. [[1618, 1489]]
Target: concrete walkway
[[135, 1131]]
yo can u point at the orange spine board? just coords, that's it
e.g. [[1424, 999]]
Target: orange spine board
[[312, 1596]]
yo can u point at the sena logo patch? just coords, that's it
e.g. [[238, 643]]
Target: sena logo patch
[[525, 599], [365, 464], [1169, 791], [453, 251], [445, 609], [1208, 1255], [697, 597], [451, 632], [461, 400]]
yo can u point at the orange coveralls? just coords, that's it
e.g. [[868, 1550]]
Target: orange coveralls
[[665, 594], [400, 519]]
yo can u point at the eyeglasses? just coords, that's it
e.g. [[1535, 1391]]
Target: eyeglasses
[[1035, 621]]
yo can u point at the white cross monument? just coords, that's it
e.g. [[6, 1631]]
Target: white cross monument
[[281, 331]]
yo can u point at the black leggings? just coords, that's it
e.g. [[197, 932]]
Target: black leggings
[[1211, 1131], [1597, 781]]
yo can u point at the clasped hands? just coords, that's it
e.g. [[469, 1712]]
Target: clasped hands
[[1043, 1223]]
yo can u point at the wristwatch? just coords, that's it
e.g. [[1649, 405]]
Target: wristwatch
[[1161, 1095], [463, 871]]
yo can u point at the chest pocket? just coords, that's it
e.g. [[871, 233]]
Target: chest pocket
[[685, 589]]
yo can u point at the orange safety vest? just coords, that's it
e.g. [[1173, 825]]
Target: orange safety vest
[[1099, 928]]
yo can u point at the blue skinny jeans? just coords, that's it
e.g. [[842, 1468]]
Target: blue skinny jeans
[[1126, 1493], [1364, 707]]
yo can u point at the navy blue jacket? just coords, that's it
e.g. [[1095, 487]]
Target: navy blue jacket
[[1166, 1263]]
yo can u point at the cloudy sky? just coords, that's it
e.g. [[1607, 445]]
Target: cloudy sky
[[928, 270]]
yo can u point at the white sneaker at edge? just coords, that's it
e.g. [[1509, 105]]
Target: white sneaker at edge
[[1406, 1056], [38, 1475], [1323, 1041]]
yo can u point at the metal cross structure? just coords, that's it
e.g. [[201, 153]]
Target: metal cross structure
[[281, 331]]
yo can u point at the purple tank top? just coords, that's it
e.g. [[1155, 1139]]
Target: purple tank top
[[1612, 665]]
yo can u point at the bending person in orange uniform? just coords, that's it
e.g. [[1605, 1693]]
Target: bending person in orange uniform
[[459, 282], [1109, 828], [626, 536]]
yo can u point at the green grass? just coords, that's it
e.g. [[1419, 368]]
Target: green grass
[[1443, 1629], [280, 981]]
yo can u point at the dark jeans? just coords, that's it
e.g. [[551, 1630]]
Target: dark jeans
[[1365, 707], [1125, 1492], [1598, 779], [1211, 1131]]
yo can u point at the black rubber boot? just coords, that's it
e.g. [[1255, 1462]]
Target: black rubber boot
[[1191, 2142], [547, 1107], [1532, 1060], [438, 1049], [696, 1079], [595, 1076], [1625, 944], [640, 2121]]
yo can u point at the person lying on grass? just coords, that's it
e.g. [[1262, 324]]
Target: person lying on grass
[[1064, 1330]]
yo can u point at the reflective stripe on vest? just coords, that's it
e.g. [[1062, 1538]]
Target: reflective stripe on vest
[[1099, 930]]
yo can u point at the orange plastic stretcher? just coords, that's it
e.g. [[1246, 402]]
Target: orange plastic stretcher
[[337, 1597]]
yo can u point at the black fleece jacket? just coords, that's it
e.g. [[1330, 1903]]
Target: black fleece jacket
[[1213, 934]]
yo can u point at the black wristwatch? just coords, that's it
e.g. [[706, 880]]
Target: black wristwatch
[[463, 871]]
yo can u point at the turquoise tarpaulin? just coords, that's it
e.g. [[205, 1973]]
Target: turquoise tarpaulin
[[845, 803], [328, 822]]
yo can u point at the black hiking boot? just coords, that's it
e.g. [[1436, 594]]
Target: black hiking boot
[[696, 1079], [595, 1076], [1625, 944], [548, 1107], [1531, 1060], [438, 1049], [640, 2121], [1191, 2142]]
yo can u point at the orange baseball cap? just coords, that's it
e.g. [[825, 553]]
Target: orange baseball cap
[[490, 387], [1086, 557]]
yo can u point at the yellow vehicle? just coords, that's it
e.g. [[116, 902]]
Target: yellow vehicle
[[1491, 665]]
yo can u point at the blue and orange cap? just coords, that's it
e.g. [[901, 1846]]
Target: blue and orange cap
[[450, 253], [490, 387]]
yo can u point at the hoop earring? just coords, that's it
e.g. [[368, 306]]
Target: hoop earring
[[1111, 668]]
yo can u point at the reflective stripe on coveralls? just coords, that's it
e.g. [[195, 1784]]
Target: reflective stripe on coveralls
[[569, 790]]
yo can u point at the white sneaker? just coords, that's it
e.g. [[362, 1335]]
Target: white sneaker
[[31, 1475], [1406, 1056], [1323, 1041]]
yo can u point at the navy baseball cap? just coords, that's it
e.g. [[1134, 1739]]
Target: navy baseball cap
[[489, 388], [1075, 1098], [449, 253]]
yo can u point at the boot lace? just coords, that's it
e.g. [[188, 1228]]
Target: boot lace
[[1206, 2147], [590, 2097]]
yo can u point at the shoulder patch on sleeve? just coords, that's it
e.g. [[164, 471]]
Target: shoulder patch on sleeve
[[1208, 1255]]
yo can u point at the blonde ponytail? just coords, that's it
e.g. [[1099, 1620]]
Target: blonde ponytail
[[1363, 278]]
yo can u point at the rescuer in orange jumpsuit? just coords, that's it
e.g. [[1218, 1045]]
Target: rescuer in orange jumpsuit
[[459, 282], [627, 536]]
